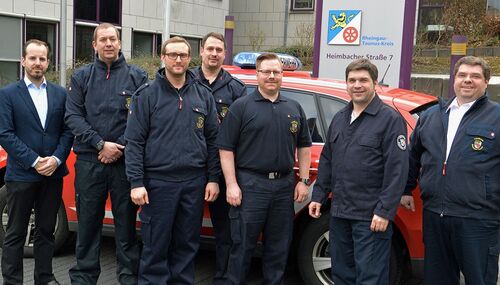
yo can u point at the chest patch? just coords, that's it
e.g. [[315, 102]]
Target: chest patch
[[294, 126], [477, 144], [223, 111], [127, 102], [200, 122]]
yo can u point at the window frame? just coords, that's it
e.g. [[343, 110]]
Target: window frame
[[427, 7], [308, 9], [195, 51], [156, 41], [22, 23], [54, 47], [76, 47], [322, 110], [98, 13]]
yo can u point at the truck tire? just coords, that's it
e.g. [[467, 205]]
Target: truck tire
[[60, 233]]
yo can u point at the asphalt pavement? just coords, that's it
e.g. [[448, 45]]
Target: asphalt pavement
[[205, 267]]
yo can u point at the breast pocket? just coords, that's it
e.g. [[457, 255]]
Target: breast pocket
[[222, 105], [370, 151], [293, 124], [125, 99], [199, 118], [370, 142], [479, 142]]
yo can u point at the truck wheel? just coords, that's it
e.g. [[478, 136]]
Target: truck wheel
[[313, 255], [60, 232]]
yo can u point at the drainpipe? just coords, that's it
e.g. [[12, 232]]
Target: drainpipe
[[62, 44], [166, 20], [285, 29]]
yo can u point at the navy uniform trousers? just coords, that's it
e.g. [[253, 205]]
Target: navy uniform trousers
[[266, 206], [359, 256], [170, 229], [454, 244], [22, 197], [219, 214], [92, 181]]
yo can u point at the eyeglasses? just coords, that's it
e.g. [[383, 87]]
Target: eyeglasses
[[174, 55], [268, 72]]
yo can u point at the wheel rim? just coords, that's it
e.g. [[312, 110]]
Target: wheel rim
[[5, 219], [30, 233], [321, 259]]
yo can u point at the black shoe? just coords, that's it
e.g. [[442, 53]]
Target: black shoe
[[53, 282]]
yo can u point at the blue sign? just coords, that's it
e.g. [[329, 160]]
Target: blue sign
[[344, 27]]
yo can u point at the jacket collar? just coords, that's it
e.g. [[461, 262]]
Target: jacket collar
[[258, 97], [222, 78], [160, 77], [120, 61], [372, 108], [479, 102]]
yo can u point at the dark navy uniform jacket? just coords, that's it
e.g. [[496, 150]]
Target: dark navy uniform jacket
[[225, 89], [171, 133], [98, 101], [263, 134], [364, 164], [468, 185]]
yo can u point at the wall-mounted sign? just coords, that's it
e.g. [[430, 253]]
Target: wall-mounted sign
[[380, 31]]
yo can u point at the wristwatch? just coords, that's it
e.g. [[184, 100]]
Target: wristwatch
[[306, 181], [100, 145]]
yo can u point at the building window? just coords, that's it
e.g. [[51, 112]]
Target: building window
[[45, 32], [302, 5], [9, 72], [98, 11], [11, 49], [158, 44], [84, 52], [493, 7], [195, 46], [146, 44], [430, 15]]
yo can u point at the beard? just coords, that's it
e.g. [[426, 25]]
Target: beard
[[36, 74]]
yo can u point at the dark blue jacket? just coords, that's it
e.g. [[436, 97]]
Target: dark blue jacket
[[171, 133], [23, 136], [225, 89], [364, 164], [468, 185], [98, 102]]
